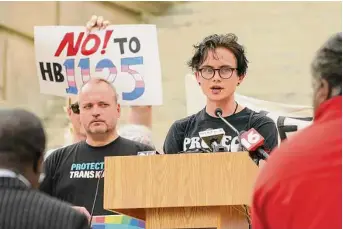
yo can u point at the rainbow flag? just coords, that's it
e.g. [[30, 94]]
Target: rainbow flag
[[116, 222]]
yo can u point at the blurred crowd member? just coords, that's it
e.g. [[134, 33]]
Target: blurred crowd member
[[76, 131], [300, 186], [137, 133], [72, 172], [22, 144]]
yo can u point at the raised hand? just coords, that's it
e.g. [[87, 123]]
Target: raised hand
[[96, 22]]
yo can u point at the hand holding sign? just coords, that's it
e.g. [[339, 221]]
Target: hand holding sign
[[96, 22], [125, 55]]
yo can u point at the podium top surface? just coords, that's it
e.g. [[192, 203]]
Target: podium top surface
[[178, 180]]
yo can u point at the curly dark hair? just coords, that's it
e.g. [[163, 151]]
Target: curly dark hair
[[214, 41]]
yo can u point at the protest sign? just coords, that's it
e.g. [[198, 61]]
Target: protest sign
[[125, 55]]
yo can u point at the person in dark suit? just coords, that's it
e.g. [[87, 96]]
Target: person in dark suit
[[22, 143]]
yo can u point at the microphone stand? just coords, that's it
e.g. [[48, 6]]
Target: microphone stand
[[219, 115], [260, 151]]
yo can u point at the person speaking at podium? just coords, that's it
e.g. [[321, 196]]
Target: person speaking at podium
[[220, 66]]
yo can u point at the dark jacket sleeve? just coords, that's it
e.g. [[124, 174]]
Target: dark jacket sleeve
[[267, 128], [49, 169], [174, 141]]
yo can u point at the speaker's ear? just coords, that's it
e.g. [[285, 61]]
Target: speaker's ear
[[199, 83]]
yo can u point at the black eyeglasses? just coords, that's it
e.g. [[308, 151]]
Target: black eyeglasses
[[225, 72], [75, 108]]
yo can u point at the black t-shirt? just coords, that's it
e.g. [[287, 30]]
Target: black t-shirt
[[183, 135], [72, 172]]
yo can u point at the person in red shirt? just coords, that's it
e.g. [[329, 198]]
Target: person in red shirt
[[300, 186]]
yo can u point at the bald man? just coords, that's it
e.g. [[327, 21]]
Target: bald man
[[72, 172]]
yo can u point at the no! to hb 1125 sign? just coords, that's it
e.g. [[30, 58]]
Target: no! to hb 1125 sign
[[125, 55]]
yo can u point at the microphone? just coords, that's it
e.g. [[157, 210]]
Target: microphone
[[147, 153], [202, 150], [252, 141], [213, 139], [219, 112], [243, 138]]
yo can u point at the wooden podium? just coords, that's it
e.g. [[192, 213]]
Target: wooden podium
[[205, 190]]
